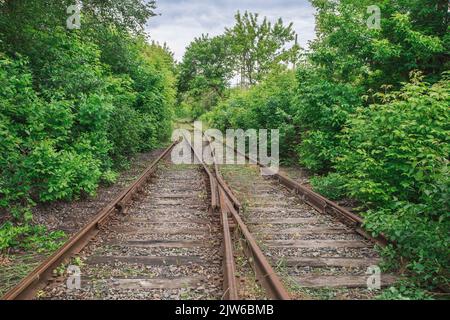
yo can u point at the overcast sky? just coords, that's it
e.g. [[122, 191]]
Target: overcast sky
[[183, 20]]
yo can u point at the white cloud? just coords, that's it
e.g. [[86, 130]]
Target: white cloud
[[181, 20]]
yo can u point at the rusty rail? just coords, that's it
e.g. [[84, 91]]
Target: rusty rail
[[326, 206], [320, 203], [218, 201], [263, 269], [39, 277]]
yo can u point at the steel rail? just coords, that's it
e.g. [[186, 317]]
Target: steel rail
[[319, 202], [326, 206], [40, 276], [263, 269], [218, 201]]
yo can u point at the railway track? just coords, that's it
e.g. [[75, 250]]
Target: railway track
[[172, 235], [157, 250], [318, 248], [316, 255], [167, 236]]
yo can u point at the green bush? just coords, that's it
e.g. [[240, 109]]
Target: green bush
[[322, 107], [317, 150], [422, 240], [60, 175], [125, 119], [62, 135], [399, 150], [268, 105], [404, 291], [331, 186], [33, 164], [395, 159], [184, 111], [63, 63], [20, 115], [35, 238]]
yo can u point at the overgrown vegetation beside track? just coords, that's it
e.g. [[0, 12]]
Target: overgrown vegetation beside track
[[367, 111], [75, 105]]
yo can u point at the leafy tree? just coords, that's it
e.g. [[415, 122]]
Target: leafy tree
[[266, 105], [251, 49], [206, 66], [347, 50], [349, 63], [205, 72], [258, 46]]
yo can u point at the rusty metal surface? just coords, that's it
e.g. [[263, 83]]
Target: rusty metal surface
[[37, 279], [322, 204], [229, 267], [264, 271]]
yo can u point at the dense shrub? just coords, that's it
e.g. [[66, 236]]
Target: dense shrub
[[332, 186], [65, 64], [268, 105], [321, 109], [56, 175], [27, 237], [74, 105], [20, 112], [395, 161], [148, 89], [405, 291], [400, 149]]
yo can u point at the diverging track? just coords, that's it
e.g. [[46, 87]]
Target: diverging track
[[172, 234], [167, 236], [317, 248]]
